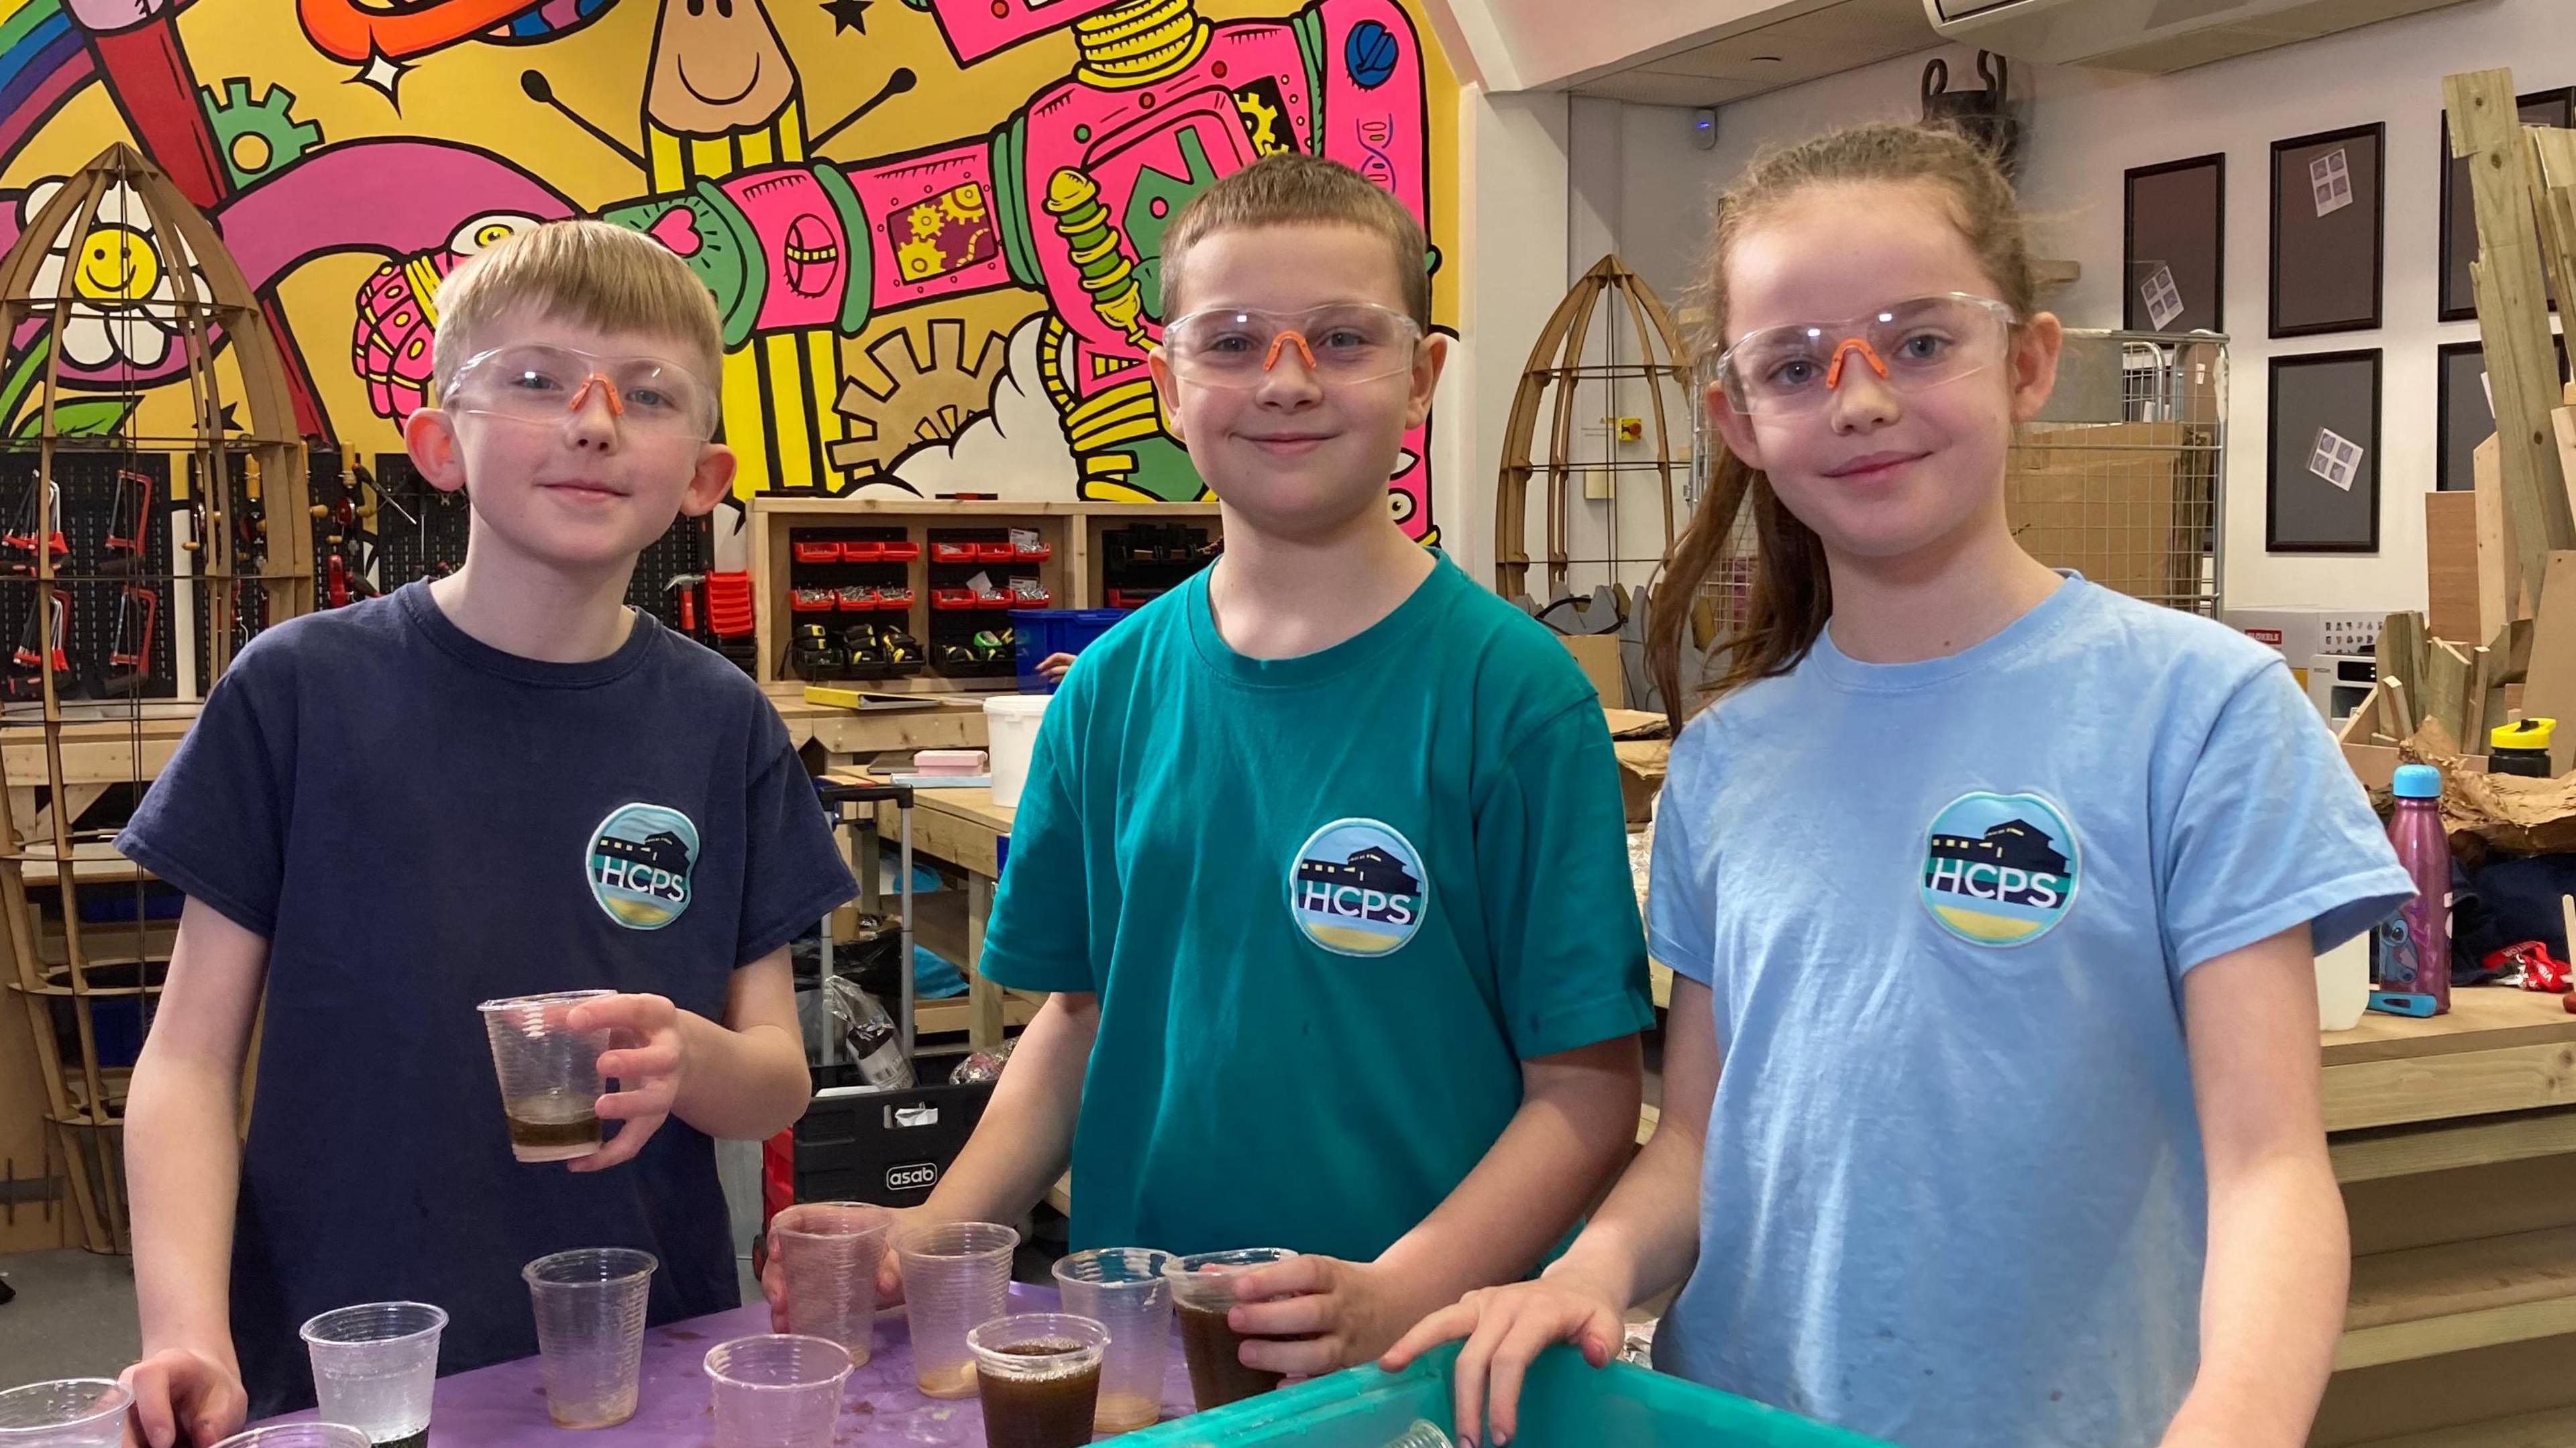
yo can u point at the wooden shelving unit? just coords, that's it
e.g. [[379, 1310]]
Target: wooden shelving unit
[[1071, 572]]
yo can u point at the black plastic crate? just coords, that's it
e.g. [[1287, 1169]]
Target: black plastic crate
[[887, 1147]]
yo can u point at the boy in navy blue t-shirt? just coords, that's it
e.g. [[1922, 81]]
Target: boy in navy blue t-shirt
[[389, 813]]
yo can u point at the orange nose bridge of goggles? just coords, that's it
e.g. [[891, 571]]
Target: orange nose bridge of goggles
[[617, 404], [1849, 345], [1270, 359]]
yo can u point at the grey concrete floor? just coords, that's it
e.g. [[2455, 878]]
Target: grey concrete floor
[[73, 1316]]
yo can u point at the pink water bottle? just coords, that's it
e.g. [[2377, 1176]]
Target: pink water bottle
[[2411, 953]]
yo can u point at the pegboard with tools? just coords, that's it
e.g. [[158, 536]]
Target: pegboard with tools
[[420, 532], [244, 515], [110, 542]]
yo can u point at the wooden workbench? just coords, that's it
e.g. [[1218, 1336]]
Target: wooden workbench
[[2455, 1142], [851, 737]]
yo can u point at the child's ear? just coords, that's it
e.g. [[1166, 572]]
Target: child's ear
[[1167, 395], [429, 435], [2035, 345], [709, 484], [1427, 362], [1734, 426]]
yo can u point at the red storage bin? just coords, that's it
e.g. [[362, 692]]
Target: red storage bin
[[817, 552], [865, 551], [949, 600]]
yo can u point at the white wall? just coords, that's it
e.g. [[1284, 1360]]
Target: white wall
[[2087, 127], [1512, 153]]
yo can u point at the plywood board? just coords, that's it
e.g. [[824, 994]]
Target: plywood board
[[2500, 594], [2549, 691], [2451, 568]]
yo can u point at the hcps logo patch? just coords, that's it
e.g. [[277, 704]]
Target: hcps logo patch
[[1357, 887], [1999, 869], [638, 863]]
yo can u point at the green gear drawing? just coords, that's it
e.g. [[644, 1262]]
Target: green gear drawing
[[270, 118]]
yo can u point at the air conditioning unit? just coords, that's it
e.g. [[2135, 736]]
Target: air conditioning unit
[[2152, 36]]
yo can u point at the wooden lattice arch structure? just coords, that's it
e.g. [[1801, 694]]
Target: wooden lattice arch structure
[[1550, 382], [68, 265]]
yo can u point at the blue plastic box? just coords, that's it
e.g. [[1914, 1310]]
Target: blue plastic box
[[1565, 1403], [1044, 631]]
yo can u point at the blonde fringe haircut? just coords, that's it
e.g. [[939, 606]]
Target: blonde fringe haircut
[[1295, 189], [589, 273], [1791, 595]]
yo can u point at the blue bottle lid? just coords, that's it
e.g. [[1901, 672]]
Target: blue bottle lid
[[2418, 781]]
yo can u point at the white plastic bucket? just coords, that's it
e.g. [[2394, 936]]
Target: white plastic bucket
[[1011, 734], [2343, 984]]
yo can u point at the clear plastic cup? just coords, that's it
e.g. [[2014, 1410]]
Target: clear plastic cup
[[777, 1390], [828, 1253], [1423, 1434], [375, 1367], [1202, 1296], [549, 1072], [298, 1435], [1038, 1374], [65, 1413], [1123, 1287], [956, 1278], [590, 1331]]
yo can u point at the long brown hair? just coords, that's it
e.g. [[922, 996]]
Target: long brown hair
[[1790, 595]]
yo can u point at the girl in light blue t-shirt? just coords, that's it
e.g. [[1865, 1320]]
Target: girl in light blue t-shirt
[[1995, 892]]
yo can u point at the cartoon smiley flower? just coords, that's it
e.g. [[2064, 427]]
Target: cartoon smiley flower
[[123, 299]]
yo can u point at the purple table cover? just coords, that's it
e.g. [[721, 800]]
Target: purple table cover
[[504, 1405]]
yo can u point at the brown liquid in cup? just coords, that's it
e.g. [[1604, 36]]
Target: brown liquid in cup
[[1047, 1412], [553, 1135], [1213, 1348]]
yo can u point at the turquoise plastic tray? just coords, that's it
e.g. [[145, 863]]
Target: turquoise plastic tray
[[1566, 1403]]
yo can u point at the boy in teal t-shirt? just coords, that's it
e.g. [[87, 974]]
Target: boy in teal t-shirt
[[1323, 852]]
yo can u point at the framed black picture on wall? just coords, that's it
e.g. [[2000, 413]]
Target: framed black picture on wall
[[2459, 214], [2464, 415], [2172, 250], [2321, 482], [2329, 215]]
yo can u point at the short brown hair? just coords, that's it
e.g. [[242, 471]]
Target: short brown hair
[[1791, 594], [588, 272], [1295, 189]]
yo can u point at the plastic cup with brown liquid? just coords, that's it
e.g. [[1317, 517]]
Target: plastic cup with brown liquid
[[1038, 1374], [549, 1073], [1202, 1295]]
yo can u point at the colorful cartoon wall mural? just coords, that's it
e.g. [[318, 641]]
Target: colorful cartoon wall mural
[[931, 227]]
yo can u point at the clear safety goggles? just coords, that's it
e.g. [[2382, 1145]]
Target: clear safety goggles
[[1911, 346], [1340, 344], [547, 384]]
